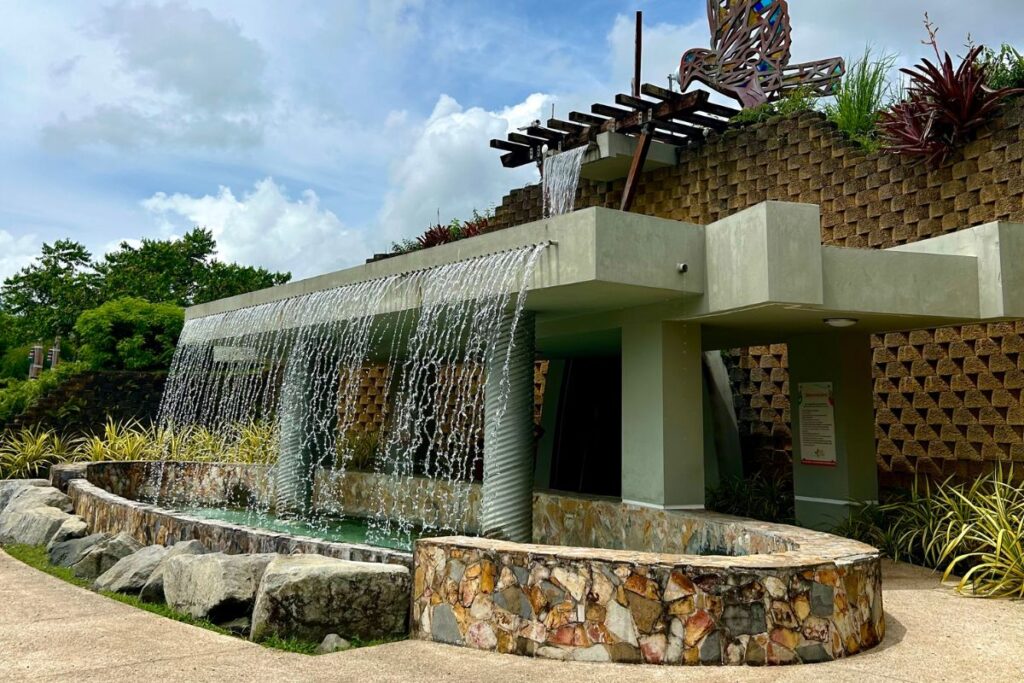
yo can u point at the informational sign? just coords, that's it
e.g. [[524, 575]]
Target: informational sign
[[817, 424]]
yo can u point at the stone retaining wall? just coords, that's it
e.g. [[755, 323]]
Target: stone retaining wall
[[820, 602], [599, 522], [148, 524]]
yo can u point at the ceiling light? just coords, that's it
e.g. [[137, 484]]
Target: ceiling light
[[841, 322]]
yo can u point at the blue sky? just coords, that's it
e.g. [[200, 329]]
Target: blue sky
[[307, 135]]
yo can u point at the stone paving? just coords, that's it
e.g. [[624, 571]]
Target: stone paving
[[52, 631]]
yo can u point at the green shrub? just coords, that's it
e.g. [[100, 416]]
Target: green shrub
[[18, 395], [29, 453], [15, 362], [1003, 69], [976, 529], [860, 98], [798, 101], [763, 497], [129, 334]]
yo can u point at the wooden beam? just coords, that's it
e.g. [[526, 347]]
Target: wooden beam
[[607, 110], [580, 117], [658, 92], [566, 126], [638, 52], [635, 168], [701, 120], [720, 110], [527, 140], [679, 128], [549, 135], [634, 102], [516, 159], [508, 146]]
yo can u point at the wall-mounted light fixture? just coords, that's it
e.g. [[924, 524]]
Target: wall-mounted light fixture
[[840, 322]]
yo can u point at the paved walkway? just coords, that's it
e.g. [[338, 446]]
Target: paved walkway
[[53, 631]]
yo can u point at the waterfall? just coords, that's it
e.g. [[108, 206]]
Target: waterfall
[[561, 176], [299, 363]]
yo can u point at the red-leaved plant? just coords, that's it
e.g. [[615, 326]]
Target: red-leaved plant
[[435, 235], [944, 105]]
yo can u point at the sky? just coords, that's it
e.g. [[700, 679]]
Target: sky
[[308, 135]]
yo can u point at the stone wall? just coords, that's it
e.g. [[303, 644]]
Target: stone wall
[[149, 525], [85, 402], [594, 522], [212, 484], [948, 401], [807, 606]]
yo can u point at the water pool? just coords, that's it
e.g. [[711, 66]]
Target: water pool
[[346, 530]]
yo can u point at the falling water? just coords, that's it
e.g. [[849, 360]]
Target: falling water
[[560, 179], [299, 363]]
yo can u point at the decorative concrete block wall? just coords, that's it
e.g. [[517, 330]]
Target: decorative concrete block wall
[[959, 408]]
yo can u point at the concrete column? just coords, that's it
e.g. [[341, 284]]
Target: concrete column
[[508, 432], [823, 492], [662, 415]]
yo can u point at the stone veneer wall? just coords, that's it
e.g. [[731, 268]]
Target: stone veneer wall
[[202, 483], [947, 401], [595, 522], [148, 524], [815, 604]]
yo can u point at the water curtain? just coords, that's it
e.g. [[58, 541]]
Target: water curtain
[[299, 365]]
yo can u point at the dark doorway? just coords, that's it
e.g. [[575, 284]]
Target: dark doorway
[[587, 451]]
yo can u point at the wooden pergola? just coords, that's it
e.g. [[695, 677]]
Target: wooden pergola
[[680, 119]]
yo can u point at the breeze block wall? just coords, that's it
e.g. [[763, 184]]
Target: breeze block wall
[[948, 401]]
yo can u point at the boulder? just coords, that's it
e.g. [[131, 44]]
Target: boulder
[[73, 527], [28, 497], [11, 487], [67, 553], [30, 525], [131, 572], [333, 643], [102, 556], [310, 596], [153, 590], [214, 586]]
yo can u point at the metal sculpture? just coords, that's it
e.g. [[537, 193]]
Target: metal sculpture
[[750, 52]]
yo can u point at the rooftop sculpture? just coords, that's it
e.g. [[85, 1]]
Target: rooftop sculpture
[[750, 52]]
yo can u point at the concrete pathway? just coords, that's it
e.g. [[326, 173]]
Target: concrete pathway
[[53, 631]]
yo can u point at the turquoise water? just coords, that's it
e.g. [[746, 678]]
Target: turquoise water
[[348, 530]]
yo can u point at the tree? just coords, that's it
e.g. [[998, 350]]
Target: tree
[[46, 298], [129, 334], [184, 272]]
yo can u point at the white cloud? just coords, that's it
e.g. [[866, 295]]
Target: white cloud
[[450, 168], [266, 227], [175, 75], [16, 253]]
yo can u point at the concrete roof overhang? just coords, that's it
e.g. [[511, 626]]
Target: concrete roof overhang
[[760, 275]]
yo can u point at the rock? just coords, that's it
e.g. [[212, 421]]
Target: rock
[[444, 628], [103, 555], [214, 586], [67, 553], [131, 572], [619, 622], [30, 525], [309, 596], [822, 597], [28, 497], [240, 626], [11, 487], [333, 643], [153, 590], [73, 527], [63, 474]]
